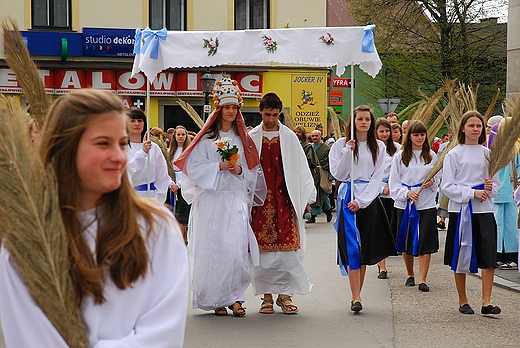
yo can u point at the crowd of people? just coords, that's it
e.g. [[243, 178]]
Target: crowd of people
[[241, 198]]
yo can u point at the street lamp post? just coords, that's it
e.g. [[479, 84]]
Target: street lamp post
[[207, 82]]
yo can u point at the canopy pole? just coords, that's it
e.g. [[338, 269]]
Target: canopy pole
[[148, 136], [352, 130]]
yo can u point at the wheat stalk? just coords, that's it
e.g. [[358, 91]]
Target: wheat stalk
[[425, 110], [335, 122], [289, 121], [19, 59], [32, 229], [504, 143], [164, 150], [191, 112]]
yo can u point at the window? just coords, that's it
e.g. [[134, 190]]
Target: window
[[169, 14], [51, 14], [251, 14]]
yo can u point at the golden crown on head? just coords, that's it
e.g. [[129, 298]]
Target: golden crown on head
[[226, 91]]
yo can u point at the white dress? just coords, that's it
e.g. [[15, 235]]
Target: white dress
[[137, 168], [219, 230], [152, 313]]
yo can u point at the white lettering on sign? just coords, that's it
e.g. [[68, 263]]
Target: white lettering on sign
[[97, 81], [125, 80], [192, 81], [8, 78], [248, 83], [70, 80], [163, 81], [44, 74]]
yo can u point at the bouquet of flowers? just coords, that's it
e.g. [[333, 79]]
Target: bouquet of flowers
[[227, 151]]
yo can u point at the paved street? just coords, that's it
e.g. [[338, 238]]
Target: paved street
[[393, 315]]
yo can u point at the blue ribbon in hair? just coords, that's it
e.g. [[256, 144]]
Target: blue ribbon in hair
[[367, 45], [409, 222], [350, 230], [144, 187], [153, 37], [464, 255], [137, 41]]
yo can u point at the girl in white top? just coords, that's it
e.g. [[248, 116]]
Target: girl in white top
[[383, 133], [146, 163], [365, 212], [470, 242], [129, 265], [418, 235], [180, 141]]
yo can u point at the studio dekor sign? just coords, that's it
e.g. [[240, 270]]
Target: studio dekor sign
[[308, 99], [106, 42]]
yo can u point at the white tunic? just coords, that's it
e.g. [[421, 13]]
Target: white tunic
[[411, 175], [219, 229], [465, 167], [387, 165], [282, 272], [364, 169], [152, 313], [137, 168]]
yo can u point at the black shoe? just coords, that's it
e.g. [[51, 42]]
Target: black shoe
[[312, 220], [490, 310], [441, 225], [355, 306], [382, 275], [466, 309], [423, 287], [329, 215], [410, 281]]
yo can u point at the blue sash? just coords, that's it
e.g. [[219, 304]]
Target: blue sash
[[351, 231], [172, 201], [410, 221], [464, 258], [144, 187]]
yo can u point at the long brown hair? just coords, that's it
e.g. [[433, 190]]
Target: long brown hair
[[213, 131], [391, 149], [469, 114], [173, 142], [416, 127], [371, 135], [120, 246]]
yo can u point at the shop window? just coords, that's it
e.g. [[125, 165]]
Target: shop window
[[51, 14], [169, 14], [251, 14]]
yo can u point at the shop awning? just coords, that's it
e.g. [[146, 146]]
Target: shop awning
[[319, 47]]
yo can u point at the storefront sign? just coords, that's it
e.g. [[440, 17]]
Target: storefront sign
[[308, 100], [343, 82], [107, 42]]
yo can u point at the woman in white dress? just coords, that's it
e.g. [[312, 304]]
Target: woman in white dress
[[221, 190], [129, 265]]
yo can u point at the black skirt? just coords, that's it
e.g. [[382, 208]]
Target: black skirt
[[428, 233], [182, 209], [377, 242], [484, 239], [388, 204]]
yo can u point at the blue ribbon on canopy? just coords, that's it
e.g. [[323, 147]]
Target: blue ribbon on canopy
[[144, 187], [368, 39], [464, 254], [153, 37], [137, 41], [351, 231], [409, 222]]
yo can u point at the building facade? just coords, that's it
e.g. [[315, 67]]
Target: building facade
[[513, 49], [89, 43]]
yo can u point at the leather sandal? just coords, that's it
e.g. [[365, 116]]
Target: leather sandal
[[221, 311], [286, 304], [267, 306], [238, 310]]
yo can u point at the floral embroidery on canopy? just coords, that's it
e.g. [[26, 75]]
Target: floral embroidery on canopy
[[212, 45], [270, 44]]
